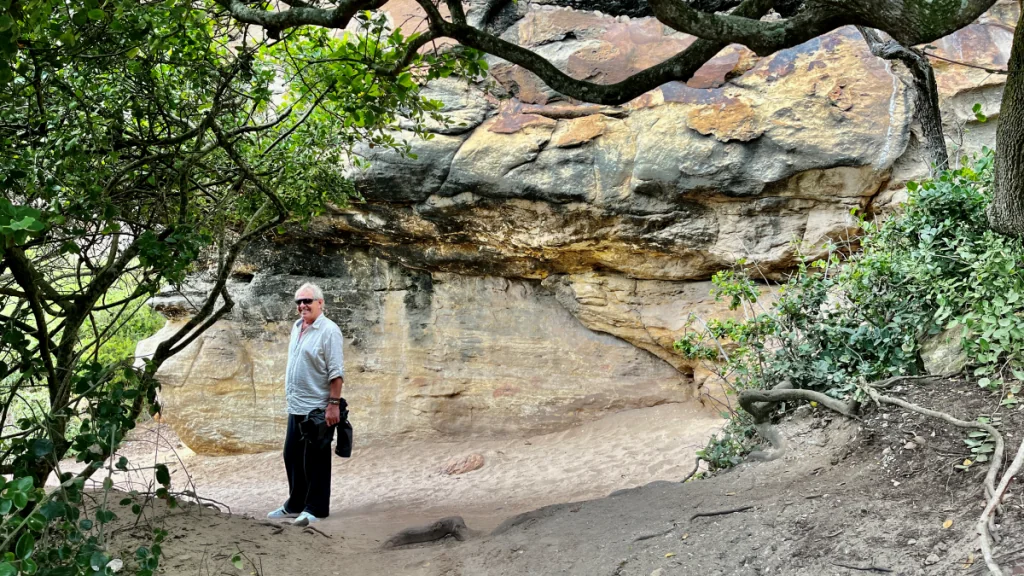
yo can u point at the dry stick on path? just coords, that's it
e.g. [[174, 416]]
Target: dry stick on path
[[655, 535], [721, 512], [871, 568]]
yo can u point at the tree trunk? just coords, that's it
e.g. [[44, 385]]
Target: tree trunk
[[1006, 213], [931, 118], [927, 94]]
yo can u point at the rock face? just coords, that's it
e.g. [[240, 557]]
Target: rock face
[[532, 268], [676, 185], [426, 355]]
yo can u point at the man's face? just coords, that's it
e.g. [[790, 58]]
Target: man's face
[[309, 307]]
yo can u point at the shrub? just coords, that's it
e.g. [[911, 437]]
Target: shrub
[[844, 319]]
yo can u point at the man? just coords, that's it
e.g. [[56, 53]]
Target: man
[[313, 380]]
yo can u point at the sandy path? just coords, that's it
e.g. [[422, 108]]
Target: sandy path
[[382, 489]]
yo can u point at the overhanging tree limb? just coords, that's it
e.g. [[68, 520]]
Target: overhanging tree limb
[[680, 67], [301, 14]]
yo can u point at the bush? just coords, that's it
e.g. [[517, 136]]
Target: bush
[[845, 320]]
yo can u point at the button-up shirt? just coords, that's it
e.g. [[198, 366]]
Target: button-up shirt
[[314, 359]]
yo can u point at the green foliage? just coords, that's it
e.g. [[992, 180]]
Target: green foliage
[[726, 449], [981, 443], [139, 141], [51, 533], [838, 322]]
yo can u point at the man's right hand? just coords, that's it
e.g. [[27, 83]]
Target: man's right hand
[[333, 414]]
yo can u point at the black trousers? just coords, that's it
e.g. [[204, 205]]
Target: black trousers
[[308, 465]]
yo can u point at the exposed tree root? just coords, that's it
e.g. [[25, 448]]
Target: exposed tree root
[[760, 403], [986, 524], [696, 466], [453, 526], [990, 508], [311, 530]]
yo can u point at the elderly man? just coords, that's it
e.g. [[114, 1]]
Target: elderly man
[[313, 381]]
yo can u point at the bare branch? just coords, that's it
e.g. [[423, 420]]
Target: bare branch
[[299, 15]]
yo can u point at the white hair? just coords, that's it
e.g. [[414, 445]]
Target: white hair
[[318, 294]]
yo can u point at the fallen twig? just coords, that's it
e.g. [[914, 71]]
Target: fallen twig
[[871, 568], [720, 512], [311, 529], [649, 536], [696, 466]]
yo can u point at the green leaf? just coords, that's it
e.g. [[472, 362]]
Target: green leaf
[[6, 569], [52, 509], [163, 476], [98, 561], [40, 448], [236, 561], [25, 546], [36, 522], [97, 14]]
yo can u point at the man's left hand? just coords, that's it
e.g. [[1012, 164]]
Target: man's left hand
[[333, 414]]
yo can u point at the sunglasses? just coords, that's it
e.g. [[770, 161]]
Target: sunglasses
[[306, 301]]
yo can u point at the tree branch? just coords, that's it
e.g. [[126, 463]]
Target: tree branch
[[277, 21], [680, 67]]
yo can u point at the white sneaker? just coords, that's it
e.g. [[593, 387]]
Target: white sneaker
[[305, 519], [281, 513]]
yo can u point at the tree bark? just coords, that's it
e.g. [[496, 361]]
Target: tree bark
[[1006, 213], [926, 100]]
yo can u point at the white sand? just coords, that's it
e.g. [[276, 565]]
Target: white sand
[[391, 486]]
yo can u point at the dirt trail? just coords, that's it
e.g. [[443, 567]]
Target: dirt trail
[[848, 498]]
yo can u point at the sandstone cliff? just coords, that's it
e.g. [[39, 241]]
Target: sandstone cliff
[[531, 269]]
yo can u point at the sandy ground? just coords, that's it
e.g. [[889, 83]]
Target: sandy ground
[[849, 497], [384, 488]]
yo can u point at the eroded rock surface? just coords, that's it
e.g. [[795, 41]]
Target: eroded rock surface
[[426, 355]]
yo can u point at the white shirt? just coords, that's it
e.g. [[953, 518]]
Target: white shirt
[[314, 359]]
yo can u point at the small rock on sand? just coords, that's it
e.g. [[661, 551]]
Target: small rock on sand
[[456, 466]]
